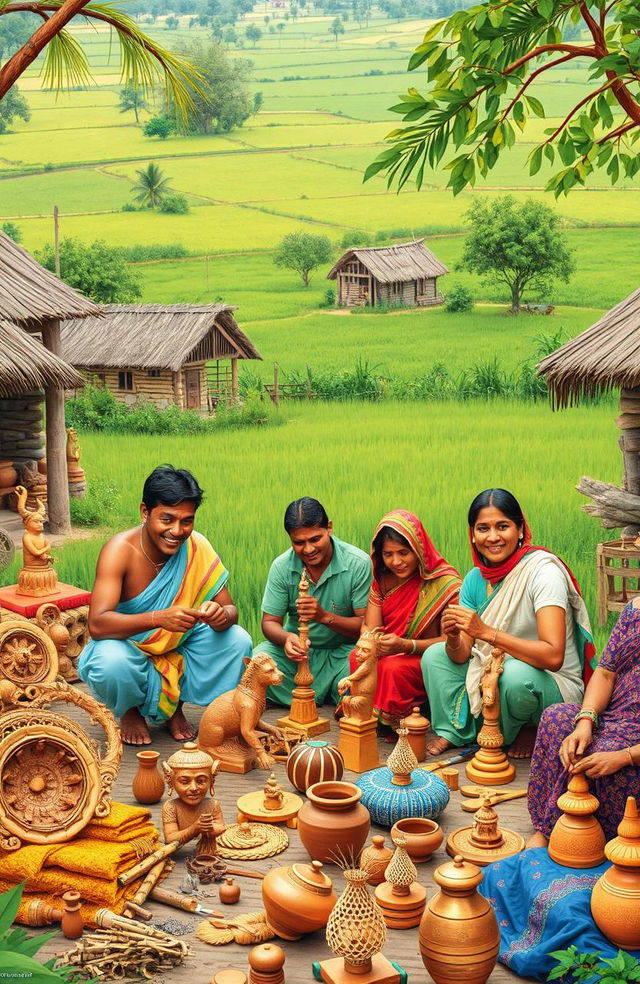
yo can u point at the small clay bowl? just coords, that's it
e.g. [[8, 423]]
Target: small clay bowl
[[423, 837]]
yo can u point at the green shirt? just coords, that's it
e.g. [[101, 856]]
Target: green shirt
[[342, 587]]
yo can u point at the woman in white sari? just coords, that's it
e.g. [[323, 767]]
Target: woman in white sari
[[523, 600]]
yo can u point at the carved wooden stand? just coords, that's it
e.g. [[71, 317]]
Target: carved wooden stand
[[303, 714], [485, 841], [490, 766], [358, 744]]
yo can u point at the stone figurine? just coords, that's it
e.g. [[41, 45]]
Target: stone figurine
[[190, 773]]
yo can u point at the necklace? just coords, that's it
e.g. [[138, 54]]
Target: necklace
[[158, 567]]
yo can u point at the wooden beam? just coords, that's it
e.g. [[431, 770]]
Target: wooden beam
[[57, 482], [235, 392]]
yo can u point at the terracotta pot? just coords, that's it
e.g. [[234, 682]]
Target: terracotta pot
[[417, 726], [298, 899], [148, 784], [314, 761], [72, 923], [8, 475], [459, 936], [577, 839], [229, 892], [615, 900], [266, 963], [423, 837], [375, 859], [333, 824]]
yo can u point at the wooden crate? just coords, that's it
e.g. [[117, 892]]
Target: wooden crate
[[618, 576]]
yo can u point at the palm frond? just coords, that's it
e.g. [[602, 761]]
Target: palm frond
[[65, 63]]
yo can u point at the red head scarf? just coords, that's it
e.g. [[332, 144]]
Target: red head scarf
[[431, 564]]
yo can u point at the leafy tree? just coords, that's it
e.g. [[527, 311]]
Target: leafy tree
[[159, 126], [303, 252], [13, 231], [132, 98], [150, 186], [224, 102], [253, 33], [336, 27], [16, 31], [480, 66], [230, 36], [65, 61], [11, 106], [258, 103], [97, 270], [517, 244], [174, 204], [172, 23]]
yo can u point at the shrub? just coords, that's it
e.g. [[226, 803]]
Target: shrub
[[459, 299], [13, 231], [159, 126], [329, 298], [140, 252], [174, 204], [356, 239], [98, 506], [129, 207]]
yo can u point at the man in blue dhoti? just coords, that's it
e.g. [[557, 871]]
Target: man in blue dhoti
[[163, 624]]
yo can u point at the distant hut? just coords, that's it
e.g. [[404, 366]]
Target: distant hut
[[405, 274], [604, 357], [35, 300], [167, 353]]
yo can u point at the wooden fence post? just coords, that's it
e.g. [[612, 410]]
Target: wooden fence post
[[276, 392]]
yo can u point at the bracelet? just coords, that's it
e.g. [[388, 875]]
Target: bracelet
[[628, 750], [586, 713], [414, 648], [495, 636], [153, 620]]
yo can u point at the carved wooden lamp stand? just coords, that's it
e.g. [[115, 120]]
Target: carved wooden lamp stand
[[485, 841], [303, 713], [490, 766]]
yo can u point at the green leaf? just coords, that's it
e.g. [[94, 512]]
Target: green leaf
[[17, 965], [535, 161], [535, 106], [545, 8], [9, 904]]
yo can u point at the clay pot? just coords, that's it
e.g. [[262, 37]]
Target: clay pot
[[459, 936], [333, 824], [8, 475], [297, 899], [314, 761], [72, 923], [417, 726], [266, 964], [615, 900], [577, 839], [375, 859], [423, 837], [148, 784], [229, 892]]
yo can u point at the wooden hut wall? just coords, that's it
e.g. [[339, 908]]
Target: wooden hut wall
[[409, 293], [21, 428], [355, 285], [187, 388]]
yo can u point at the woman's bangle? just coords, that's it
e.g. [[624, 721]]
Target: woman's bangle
[[153, 620], [628, 750], [414, 648], [585, 713], [495, 636]]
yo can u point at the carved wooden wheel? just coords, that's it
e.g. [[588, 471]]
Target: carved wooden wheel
[[7, 549], [53, 780], [27, 654]]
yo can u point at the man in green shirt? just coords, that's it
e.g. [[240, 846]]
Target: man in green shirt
[[339, 579]]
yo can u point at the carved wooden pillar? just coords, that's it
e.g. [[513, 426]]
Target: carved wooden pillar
[[57, 485], [629, 443], [235, 392]]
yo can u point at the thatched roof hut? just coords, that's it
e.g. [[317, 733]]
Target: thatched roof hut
[[604, 357], [160, 351], [30, 295], [26, 366], [405, 273]]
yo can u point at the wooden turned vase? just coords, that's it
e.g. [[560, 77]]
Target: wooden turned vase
[[577, 839], [459, 937], [615, 900], [266, 964], [417, 726], [314, 761], [148, 784], [333, 824]]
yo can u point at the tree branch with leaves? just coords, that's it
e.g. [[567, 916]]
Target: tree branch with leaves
[[480, 66]]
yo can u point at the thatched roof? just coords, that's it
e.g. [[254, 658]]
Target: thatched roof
[[26, 366], [603, 357], [155, 336], [30, 295], [390, 264]]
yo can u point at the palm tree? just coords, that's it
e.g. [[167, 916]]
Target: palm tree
[[150, 186], [65, 62]]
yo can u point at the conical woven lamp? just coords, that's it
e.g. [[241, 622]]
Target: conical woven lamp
[[577, 839], [400, 897]]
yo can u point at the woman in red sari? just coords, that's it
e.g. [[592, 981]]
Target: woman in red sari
[[412, 585]]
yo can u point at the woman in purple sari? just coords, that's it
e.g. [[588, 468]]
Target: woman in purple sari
[[601, 738]]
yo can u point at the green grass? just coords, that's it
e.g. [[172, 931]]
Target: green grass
[[69, 190], [431, 459]]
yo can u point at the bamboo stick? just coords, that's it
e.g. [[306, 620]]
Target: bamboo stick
[[149, 862], [147, 886]]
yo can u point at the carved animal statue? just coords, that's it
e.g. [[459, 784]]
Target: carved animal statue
[[490, 692], [229, 727], [73, 448], [362, 682]]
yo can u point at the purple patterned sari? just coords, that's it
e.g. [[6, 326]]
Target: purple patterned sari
[[619, 727]]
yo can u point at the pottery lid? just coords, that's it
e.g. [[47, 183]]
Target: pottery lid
[[458, 875], [312, 876], [416, 721], [268, 957], [625, 848], [578, 800]]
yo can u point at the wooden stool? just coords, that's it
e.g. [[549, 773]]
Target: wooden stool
[[616, 559]]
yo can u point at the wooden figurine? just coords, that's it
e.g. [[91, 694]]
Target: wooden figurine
[[270, 805], [229, 727], [401, 898], [303, 713], [484, 842], [358, 740], [273, 795], [75, 474], [190, 773], [490, 766], [49, 618], [37, 577]]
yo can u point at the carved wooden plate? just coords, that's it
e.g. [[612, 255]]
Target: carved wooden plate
[[27, 654]]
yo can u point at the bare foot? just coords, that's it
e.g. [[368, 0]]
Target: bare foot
[[537, 840], [438, 745], [179, 727], [133, 728], [522, 747]]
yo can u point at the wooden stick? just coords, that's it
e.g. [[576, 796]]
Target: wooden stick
[[472, 805], [460, 756], [147, 886], [149, 862], [183, 902], [244, 872], [140, 912]]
